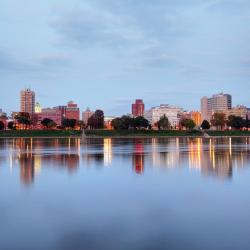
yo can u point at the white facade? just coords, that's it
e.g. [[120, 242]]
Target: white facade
[[171, 112]]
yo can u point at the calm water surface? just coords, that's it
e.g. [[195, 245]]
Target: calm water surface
[[144, 194]]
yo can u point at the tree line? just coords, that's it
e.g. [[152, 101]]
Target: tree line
[[220, 121], [23, 119], [126, 122]]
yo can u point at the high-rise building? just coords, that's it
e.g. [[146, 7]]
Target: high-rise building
[[138, 108], [86, 115], [72, 111], [217, 103], [27, 103]]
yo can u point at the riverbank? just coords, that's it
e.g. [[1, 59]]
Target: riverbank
[[39, 133], [117, 134]]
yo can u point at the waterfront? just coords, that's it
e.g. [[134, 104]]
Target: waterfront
[[158, 193]]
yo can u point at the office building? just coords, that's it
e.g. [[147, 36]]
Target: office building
[[171, 112], [138, 108], [239, 111], [52, 114], [72, 111], [86, 115], [219, 103], [27, 103]]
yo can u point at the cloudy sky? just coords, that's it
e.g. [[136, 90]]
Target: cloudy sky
[[106, 53]]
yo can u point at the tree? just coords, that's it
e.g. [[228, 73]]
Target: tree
[[163, 123], [141, 122], [247, 122], [23, 118], [219, 120], [96, 121], [11, 125], [117, 123], [236, 122], [46, 122], [127, 122], [80, 124], [205, 125], [52, 125], [69, 123], [2, 125], [187, 123]]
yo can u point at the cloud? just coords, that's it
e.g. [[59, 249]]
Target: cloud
[[54, 60], [9, 63], [38, 65], [88, 27], [118, 24]]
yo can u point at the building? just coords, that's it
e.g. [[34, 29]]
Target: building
[[240, 111], [217, 103], [27, 102], [138, 108], [72, 111], [2, 114], [196, 117], [38, 108], [53, 114], [62, 110], [86, 115], [171, 112], [108, 122]]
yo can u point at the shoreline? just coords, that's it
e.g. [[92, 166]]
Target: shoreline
[[123, 134], [123, 137]]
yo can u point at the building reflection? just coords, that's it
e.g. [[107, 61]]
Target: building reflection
[[30, 156], [217, 157], [212, 157], [27, 168], [138, 156], [165, 152]]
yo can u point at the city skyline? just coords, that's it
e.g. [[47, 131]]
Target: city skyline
[[180, 52]]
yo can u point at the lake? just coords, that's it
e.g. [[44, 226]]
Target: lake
[[142, 194]]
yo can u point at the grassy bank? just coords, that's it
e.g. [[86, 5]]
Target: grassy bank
[[145, 133], [152, 133], [39, 133], [115, 133]]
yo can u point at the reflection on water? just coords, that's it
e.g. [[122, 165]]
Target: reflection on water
[[120, 194], [212, 157]]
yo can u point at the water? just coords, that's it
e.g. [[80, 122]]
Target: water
[[117, 194]]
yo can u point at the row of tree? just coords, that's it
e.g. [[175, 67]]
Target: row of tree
[[126, 122], [96, 121], [220, 121]]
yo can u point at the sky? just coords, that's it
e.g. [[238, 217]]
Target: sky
[[106, 53]]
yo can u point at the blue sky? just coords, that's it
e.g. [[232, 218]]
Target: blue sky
[[105, 53]]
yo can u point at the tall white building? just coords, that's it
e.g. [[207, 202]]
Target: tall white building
[[171, 112], [217, 103]]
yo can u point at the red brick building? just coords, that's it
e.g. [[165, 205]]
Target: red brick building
[[138, 108], [72, 111], [52, 114]]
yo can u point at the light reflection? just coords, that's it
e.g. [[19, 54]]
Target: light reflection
[[107, 151], [218, 157]]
